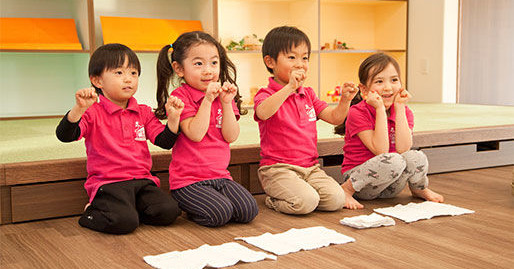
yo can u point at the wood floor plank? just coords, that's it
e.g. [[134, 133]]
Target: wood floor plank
[[484, 239]]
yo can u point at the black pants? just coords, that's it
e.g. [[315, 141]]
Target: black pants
[[119, 207]]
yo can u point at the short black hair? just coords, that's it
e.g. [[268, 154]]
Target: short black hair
[[111, 56], [283, 39]]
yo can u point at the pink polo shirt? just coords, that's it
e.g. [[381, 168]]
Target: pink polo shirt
[[116, 144], [191, 161], [290, 135], [361, 117]]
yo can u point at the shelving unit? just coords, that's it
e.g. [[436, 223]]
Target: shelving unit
[[366, 26]]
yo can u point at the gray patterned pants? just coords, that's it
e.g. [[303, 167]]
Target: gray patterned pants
[[385, 175]]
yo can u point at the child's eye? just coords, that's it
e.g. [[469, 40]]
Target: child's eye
[[214, 62], [396, 79], [197, 63], [291, 57], [118, 72], [305, 58], [378, 81], [134, 73]]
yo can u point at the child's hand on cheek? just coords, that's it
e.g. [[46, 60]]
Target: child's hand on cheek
[[349, 91], [297, 78], [212, 91], [174, 107], [228, 92], [402, 97], [86, 97], [374, 99]]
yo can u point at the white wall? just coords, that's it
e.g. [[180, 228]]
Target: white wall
[[432, 50]]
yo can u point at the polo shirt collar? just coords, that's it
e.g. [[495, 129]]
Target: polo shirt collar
[[275, 86], [111, 108], [196, 94], [392, 112]]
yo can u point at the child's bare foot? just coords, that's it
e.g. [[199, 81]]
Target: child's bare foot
[[428, 195], [350, 203]]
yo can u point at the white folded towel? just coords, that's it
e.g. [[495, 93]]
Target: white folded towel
[[218, 256], [367, 221], [425, 210], [295, 240]]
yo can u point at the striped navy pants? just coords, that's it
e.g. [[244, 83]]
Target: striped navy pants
[[215, 202]]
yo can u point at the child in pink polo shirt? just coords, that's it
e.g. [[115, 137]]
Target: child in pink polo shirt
[[199, 178], [378, 161], [287, 113], [122, 191]]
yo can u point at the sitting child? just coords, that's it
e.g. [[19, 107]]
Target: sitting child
[[122, 191], [287, 113], [378, 161]]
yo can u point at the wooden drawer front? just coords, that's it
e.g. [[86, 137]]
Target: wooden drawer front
[[237, 173], [334, 172], [48, 200], [165, 181], [464, 157], [255, 184]]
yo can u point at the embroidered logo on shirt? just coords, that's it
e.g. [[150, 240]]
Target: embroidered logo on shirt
[[392, 136], [219, 118], [140, 132], [311, 113]]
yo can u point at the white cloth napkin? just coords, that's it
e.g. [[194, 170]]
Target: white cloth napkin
[[367, 221], [206, 255], [295, 240], [425, 210]]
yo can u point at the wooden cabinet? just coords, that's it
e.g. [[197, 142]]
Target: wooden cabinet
[[42, 83]]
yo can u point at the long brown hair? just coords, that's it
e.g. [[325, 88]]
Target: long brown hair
[[368, 69], [179, 53]]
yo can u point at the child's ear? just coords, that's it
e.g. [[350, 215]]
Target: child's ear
[[363, 90], [269, 62], [96, 81], [178, 69]]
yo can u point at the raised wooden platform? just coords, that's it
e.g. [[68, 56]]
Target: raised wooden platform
[[484, 239], [36, 184]]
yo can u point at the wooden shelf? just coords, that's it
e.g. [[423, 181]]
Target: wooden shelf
[[369, 26]]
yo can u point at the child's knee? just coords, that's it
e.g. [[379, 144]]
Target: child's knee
[[249, 212], [416, 157], [393, 162], [305, 203], [162, 214], [334, 200], [110, 222], [218, 216]]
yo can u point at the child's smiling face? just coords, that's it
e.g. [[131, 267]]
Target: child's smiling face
[[200, 67], [386, 83], [296, 58]]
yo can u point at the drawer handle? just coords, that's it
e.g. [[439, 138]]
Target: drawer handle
[[488, 146]]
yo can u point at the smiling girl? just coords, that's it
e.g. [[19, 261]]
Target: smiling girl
[[378, 161], [199, 178]]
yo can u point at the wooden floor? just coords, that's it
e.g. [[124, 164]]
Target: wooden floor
[[481, 240]]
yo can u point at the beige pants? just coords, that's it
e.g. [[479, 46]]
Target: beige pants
[[294, 189]]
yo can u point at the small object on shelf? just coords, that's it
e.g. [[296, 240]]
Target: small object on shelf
[[338, 45], [249, 42], [326, 46], [335, 94]]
